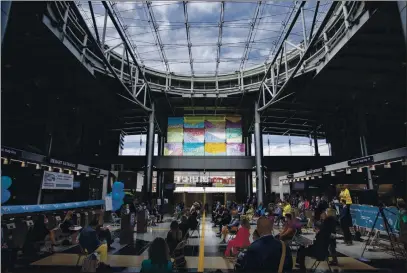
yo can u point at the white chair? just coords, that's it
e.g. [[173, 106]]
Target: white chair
[[117, 221]]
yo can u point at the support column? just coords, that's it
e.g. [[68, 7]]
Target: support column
[[250, 184], [403, 16], [104, 185], [316, 144], [159, 173], [148, 175], [259, 154]]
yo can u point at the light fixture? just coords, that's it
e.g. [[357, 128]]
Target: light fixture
[[332, 173], [302, 179], [404, 162], [359, 170], [49, 169], [23, 164], [372, 168], [87, 174], [307, 178], [38, 167], [60, 170], [319, 176], [78, 173], [5, 161], [348, 171], [69, 171], [312, 177], [387, 165]]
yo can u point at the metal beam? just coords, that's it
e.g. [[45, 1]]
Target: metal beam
[[250, 36], [157, 36], [94, 21], [220, 34], [191, 60], [303, 57]]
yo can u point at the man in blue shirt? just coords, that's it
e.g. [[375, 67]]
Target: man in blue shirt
[[264, 254]]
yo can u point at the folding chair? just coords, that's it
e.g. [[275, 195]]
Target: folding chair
[[318, 261], [196, 229], [117, 221]]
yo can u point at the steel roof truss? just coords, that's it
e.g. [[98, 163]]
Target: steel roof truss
[[191, 60]]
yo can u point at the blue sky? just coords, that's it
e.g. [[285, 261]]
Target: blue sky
[[203, 19]]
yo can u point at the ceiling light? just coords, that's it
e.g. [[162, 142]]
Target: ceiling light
[[78, 173], [359, 170], [307, 178], [319, 176], [302, 179], [348, 171], [387, 166], [38, 167], [5, 161], [69, 171], [49, 169], [23, 164], [404, 162], [372, 168], [312, 177], [87, 174], [332, 173]]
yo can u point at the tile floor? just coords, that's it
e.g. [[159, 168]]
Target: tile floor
[[128, 258]]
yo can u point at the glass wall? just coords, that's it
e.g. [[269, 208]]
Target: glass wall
[[277, 145], [136, 145]]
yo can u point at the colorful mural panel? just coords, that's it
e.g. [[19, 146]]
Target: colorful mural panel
[[215, 122], [235, 149], [217, 135], [215, 149], [175, 122], [194, 149], [175, 135], [234, 135], [173, 149], [194, 122], [234, 122], [193, 135]]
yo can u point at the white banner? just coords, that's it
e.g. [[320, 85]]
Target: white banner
[[57, 181], [108, 203]]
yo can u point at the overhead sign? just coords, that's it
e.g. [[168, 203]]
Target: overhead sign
[[94, 170], [204, 184], [57, 181], [10, 152], [361, 161], [314, 171], [290, 176], [62, 163]]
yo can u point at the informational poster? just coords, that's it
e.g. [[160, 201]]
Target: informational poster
[[194, 149], [108, 203], [215, 149], [57, 181]]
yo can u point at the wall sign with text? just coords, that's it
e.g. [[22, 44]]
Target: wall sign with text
[[57, 181]]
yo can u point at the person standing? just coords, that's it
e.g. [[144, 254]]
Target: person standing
[[345, 194], [402, 221], [346, 222]]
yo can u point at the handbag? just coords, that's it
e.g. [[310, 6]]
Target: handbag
[[90, 263]]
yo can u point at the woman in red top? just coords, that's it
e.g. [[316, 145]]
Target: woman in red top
[[306, 204], [241, 240]]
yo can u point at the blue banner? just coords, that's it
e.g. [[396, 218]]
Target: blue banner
[[365, 215], [50, 207]]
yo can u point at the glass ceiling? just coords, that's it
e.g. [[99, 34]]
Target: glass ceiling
[[190, 38]]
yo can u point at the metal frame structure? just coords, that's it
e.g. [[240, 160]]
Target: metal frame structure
[[335, 27]]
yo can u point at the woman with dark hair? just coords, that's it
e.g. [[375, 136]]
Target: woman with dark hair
[[183, 226], [174, 236], [158, 258], [38, 233]]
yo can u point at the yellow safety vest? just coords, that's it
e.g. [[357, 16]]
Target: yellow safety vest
[[346, 195]]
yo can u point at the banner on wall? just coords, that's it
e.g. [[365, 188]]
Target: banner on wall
[[194, 149], [217, 135], [234, 135], [194, 135], [57, 181], [173, 149], [196, 122], [235, 149], [364, 216], [215, 149]]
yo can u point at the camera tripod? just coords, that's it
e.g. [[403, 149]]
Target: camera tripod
[[389, 231]]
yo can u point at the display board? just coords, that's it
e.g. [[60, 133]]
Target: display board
[[194, 149], [57, 181], [235, 149], [212, 149], [194, 135], [173, 149]]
